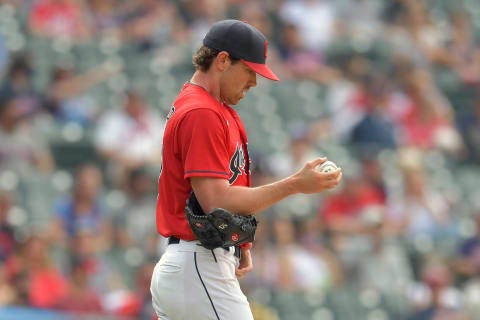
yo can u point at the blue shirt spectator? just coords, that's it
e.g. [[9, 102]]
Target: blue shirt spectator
[[74, 220]]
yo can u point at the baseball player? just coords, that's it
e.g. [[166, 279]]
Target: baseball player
[[205, 152]]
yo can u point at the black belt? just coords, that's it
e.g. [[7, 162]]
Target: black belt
[[175, 240]]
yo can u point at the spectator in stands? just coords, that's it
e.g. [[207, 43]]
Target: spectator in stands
[[20, 84], [256, 13], [102, 277], [376, 131], [360, 17], [134, 223], [428, 124], [142, 288], [147, 23], [386, 268], [120, 302], [427, 35], [8, 293], [130, 137], [82, 210], [350, 219], [467, 262], [59, 18], [315, 20], [68, 98], [463, 51], [373, 172], [299, 269], [312, 239], [32, 271], [420, 211], [105, 16], [399, 33], [444, 302], [300, 61], [296, 56], [344, 111], [201, 14], [96, 268], [349, 99], [21, 149], [82, 299], [355, 209]]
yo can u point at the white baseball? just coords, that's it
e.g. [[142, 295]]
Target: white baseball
[[327, 166]]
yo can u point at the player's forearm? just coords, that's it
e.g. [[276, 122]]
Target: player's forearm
[[217, 193], [244, 200]]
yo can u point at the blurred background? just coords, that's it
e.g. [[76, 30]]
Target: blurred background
[[387, 89]]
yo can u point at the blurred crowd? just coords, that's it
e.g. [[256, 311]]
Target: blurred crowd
[[387, 89]]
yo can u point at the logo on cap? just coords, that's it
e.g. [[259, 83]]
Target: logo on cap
[[266, 46]]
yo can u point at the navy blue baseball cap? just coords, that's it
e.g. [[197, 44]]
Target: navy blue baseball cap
[[241, 41]]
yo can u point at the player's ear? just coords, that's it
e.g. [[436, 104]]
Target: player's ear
[[222, 61]]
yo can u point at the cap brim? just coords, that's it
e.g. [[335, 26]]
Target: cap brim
[[261, 69]]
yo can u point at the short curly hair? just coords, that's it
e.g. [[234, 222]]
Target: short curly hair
[[202, 60]]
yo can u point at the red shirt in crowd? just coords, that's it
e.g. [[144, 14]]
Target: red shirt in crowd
[[57, 18], [48, 288], [344, 205]]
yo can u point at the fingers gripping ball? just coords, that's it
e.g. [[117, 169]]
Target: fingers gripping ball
[[327, 166]]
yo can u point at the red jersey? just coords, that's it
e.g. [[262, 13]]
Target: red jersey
[[203, 138]]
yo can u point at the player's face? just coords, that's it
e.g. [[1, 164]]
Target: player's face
[[235, 81]]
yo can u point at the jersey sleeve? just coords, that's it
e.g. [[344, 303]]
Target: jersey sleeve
[[202, 143]]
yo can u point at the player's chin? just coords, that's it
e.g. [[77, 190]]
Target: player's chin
[[235, 101]]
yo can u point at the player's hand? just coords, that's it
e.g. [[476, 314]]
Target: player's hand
[[310, 180], [246, 264]]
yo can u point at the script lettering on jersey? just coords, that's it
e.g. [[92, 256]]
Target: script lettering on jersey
[[237, 164]]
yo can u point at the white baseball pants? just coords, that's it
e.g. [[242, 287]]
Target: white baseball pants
[[187, 284]]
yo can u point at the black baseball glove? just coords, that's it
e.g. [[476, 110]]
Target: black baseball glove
[[219, 228]]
